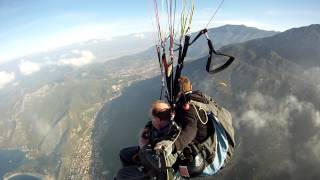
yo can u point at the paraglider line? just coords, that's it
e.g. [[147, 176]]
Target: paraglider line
[[214, 14]]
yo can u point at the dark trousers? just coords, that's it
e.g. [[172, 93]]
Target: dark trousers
[[131, 172], [127, 156], [131, 168]]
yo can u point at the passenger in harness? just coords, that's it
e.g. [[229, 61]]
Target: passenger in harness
[[141, 162], [202, 147], [206, 141]]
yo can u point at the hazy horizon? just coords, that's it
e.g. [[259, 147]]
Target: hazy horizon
[[29, 27]]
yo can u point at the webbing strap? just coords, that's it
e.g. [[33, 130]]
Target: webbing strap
[[182, 54], [173, 87], [212, 50], [203, 31], [162, 78], [222, 67]]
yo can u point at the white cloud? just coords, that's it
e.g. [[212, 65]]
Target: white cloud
[[139, 35], [86, 57], [316, 117], [264, 110], [254, 119], [42, 127], [27, 67], [313, 74], [6, 78], [75, 51], [314, 146]]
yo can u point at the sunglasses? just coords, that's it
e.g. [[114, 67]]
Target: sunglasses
[[163, 115]]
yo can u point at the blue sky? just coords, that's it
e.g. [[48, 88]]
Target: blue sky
[[29, 26]]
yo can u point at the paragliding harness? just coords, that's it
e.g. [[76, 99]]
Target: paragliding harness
[[155, 164], [217, 149], [158, 164]]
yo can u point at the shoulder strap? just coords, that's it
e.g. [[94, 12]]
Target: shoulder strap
[[205, 107], [203, 121]]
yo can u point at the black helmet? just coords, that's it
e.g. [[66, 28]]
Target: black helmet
[[149, 160], [193, 161]]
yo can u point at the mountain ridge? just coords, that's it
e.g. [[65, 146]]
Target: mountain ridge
[[270, 99], [303, 41], [80, 111]]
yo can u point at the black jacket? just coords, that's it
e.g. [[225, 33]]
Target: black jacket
[[156, 135], [192, 128]]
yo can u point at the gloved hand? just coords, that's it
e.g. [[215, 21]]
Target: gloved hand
[[143, 138], [165, 145]]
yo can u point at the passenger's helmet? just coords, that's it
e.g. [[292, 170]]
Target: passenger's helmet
[[195, 165]]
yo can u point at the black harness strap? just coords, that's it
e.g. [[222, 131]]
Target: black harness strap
[[183, 53], [203, 31], [172, 80], [212, 50], [222, 67], [161, 69]]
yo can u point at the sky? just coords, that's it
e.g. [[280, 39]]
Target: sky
[[31, 26]]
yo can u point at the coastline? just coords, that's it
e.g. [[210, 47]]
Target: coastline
[[8, 176]]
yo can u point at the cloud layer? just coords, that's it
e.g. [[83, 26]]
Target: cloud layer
[[280, 134], [75, 58], [6, 78], [28, 68], [84, 58]]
